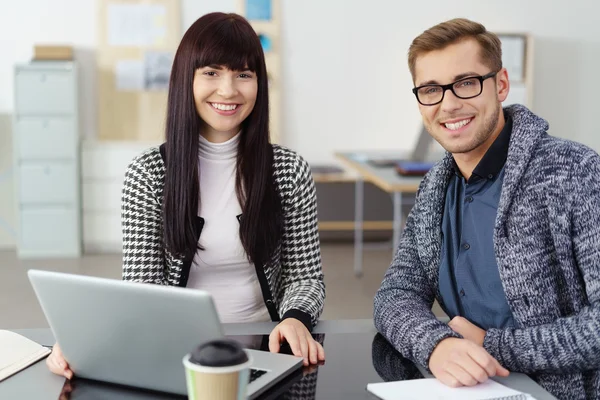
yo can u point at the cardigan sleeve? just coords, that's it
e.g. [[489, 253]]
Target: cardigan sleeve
[[302, 275], [141, 223], [570, 343], [402, 305]]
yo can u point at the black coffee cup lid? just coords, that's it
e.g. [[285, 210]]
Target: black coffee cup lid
[[219, 353]]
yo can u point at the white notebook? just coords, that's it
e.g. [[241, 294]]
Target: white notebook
[[17, 353], [431, 388]]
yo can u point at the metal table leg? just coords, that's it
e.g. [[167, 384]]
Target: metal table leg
[[359, 199]]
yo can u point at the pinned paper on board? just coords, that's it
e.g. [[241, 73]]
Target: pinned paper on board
[[157, 69], [258, 10], [265, 42], [129, 75], [140, 25], [150, 73]]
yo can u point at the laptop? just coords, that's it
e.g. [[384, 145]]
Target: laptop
[[136, 334], [416, 164]]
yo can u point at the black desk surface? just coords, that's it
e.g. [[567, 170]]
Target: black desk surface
[[355, 356]]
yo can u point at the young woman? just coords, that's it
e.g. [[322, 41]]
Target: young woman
[[218, 207]]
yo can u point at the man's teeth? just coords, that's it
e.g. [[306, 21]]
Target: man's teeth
[[224, 107], [457, 125]]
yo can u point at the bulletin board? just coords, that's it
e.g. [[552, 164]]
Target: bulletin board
[[136, 44], [265, 18]]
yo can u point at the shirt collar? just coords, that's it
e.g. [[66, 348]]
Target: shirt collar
[[494, 158], [218, 151]]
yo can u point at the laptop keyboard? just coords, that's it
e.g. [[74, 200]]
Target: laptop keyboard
[[255, 374]]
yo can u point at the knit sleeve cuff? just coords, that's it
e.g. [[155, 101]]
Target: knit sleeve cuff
[[491, 343], [429, 344], [301, 316]]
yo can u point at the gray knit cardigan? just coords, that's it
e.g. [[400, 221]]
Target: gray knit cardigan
[[547, 246]]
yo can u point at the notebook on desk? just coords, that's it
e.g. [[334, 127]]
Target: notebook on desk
[[17, 353], [431, 388]]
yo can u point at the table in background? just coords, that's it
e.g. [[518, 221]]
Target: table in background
[[385, 178]]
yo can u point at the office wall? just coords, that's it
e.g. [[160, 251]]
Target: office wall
[[344, 69], [346, 75], [344, 72]]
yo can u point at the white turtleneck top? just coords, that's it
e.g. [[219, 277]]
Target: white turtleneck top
[[222, 268]]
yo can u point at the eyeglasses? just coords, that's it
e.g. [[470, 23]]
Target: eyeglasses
[[466, 88]]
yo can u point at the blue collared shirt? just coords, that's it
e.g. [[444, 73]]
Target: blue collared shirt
[[469, 280]]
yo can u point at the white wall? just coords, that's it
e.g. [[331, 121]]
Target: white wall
[[345, 79], [345, 74], [28, 22]]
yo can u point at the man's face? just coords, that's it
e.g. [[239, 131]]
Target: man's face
[[461, 125]]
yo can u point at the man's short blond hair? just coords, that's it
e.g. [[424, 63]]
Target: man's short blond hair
[[454, 31]]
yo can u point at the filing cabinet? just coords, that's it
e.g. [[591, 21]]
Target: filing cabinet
[[46, 159]]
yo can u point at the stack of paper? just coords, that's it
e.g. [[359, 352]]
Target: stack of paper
[[433, 389], [17, 353]]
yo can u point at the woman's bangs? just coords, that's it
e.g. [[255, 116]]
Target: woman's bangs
[[231, 47]]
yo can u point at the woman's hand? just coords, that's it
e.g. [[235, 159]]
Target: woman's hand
[[300, 340], [57, 364]]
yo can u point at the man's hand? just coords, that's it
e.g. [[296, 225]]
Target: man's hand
[[459, 362], [471, 332], [300, 340]]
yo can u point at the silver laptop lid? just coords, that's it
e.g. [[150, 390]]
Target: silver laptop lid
[[421, 148], [124, 332]]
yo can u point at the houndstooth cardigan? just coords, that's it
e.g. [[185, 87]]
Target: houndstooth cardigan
[[291, 283]]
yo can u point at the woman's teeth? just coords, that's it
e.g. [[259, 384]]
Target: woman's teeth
[[224, 107]]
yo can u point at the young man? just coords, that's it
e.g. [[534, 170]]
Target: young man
[[505, 232]]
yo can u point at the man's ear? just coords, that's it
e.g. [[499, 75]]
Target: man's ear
[[502, 85]]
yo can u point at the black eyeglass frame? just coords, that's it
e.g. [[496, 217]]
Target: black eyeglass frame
[[450, 87]]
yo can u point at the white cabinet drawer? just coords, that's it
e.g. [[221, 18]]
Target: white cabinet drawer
[[43, 183], [45, 92], [45, 138], [47, 231]]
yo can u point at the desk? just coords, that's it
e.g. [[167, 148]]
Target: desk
[[385, 178], [356, 355]]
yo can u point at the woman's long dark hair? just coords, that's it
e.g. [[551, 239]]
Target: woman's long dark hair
[[230, 41]]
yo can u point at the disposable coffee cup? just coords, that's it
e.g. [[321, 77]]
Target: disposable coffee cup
[[217, 370]]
